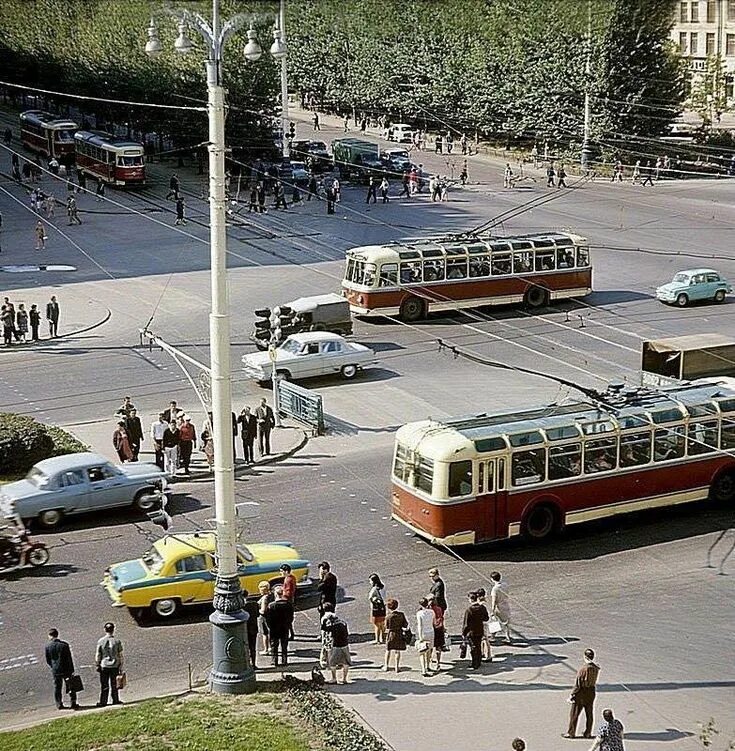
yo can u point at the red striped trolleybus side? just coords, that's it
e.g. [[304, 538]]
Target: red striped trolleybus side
[[476, 479], [116, 161], [412, 279], [48, 134]]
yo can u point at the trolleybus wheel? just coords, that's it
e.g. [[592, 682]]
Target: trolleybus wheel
[[723, 488], [412, 309], [536, 297], [540, 524]]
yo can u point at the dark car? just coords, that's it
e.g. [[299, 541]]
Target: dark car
[[313, 153]]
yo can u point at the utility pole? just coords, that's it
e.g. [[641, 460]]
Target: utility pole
[[286, 149], [586, 147]]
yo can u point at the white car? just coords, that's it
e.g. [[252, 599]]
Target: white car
[[399, 132], [310, 354]]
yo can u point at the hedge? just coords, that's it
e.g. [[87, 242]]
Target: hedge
[[24, 441]]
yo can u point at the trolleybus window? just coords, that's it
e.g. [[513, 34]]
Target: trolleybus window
[[399, 465], [544, 260], [526, 439], [130, 161], [728, 433], [389, 275], [528, 467], [410, 272], [434, 270], [635, 449], [460, 479], [480, 266], [522, 262], [666, 415], [565, 461], [702, 437], [600, 455], [64, 135], [485, 479], [424, 474], [562, 433], [565, 258], [634, 421], [501, 264], [583, 256], [668, 443], [456, 268]]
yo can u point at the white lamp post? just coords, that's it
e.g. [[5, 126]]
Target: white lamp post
[[231, 672]]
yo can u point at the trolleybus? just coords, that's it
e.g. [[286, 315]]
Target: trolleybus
[[113, 160], [474, 479], [48, 134], [411, 279]]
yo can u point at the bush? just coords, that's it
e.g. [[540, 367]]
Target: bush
[[23, 442]]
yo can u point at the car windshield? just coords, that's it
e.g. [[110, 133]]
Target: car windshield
[[37, 477], [682, 278], [297, 165], [153, 559], [398, 155], [317, 146], [291, 346]]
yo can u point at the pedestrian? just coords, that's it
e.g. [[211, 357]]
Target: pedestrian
[[61, 662], [34, 318], [72, 211], [444, 189], [40, 236], [49, 205], [550, 174], [609, 734], [8, 136], [413, 181], [100, 192], [636, 172], [449, 141], [363, 124], [487, 652], [121, 443], [438, 589], [425, 635], [372, 188], [134, 429], [174, 185], [376, 598], [405, 185], [312, 188], [265, 598], [315, 121], [337, 190], [433, 187], [108, 660], [463, 173], [534, 156], [438, 144], [331, 198], [618, 172], [395, 625], [21, 323], [440, 636], [208, 442], [187, 441], [562, 177], [647, 174], [248, 431], [473, 629], [7, 317], [266, 421], [125, 408], [279, 616], [52, 316], [327, 586], [53, 165], [82, 180], [463, 143], [289, 591], [500, 604], [347, 123], [295, 195], [336, 644], [180, 218], [658, 168], [384, 187], [158, 428], [583, 696], [26, 171], [279, 195], [261, 198], [251, 608], [253, 207], [170, 443]]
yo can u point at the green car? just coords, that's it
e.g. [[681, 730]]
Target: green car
[[694, 284]]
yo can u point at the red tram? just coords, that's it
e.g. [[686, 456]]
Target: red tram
[[48, 134], [113, 160]]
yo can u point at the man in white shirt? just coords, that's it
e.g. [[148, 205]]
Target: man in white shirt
[[158, 428]]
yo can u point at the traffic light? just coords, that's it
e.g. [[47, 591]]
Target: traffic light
[[292, 130], [263, 324], [281, 323]]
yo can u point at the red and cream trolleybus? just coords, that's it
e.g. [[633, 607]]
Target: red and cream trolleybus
[[412, 279], [48, 134], [116, 161], [492, 476]]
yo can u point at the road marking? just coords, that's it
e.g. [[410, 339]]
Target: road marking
[[10, 663]]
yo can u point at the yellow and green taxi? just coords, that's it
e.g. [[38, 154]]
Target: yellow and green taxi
[[180, 570]]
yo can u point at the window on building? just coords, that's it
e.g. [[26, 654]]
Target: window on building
[[711, 11], [683, 12], [729, 88], [694, 12], [730, 45], [682, 43], [693, 43], [710, 45], [731, 10]]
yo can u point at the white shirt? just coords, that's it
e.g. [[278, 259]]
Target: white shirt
[[425, 624], [157, 430]]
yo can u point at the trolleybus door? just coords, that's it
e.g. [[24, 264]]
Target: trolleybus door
[[491, 485]]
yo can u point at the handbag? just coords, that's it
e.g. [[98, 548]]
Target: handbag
[[422, 645], [74, 684], [407, 636], [494, 626], [121, 680]]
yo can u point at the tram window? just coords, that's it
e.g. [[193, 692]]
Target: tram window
[[635, 449], [434, 270], [369, 277], [400, 465], [583, 256], [456, 268], [565, 461], [410, 272], [528, 467], [702, 437], [389, 275], [544, 260], [424, 474], [600, 455], [668, 443], [480, 266], [728, 432], [501, 264], [522, 263], [64, 135], [564, 258], [460, 479]]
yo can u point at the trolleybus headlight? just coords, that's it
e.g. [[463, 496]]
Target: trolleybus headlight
[[359, 299]]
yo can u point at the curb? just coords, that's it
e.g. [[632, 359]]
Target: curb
[[68, 335]]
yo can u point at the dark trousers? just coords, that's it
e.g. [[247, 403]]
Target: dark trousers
[[53, 328], [34, 333], [247, 448], [584, 699], [58, 688], [372, 194], [253, 646], [158, 448], [264, 440], [475, 644], [135, 448], [279, 642], [108, 682], [185, 448]]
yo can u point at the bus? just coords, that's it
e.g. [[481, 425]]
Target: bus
[[412, 279], [48, 134], [488, 477], [112, 160]]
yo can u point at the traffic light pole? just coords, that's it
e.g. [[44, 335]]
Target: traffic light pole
[[286, 145], [274, 381]]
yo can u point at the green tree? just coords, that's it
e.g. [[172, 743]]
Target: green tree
[[708, 96]]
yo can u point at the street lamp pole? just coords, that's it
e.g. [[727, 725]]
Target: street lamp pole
[[586, 146], [279, 52], [232, 672]]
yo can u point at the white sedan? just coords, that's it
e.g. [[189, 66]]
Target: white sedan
[[310, 354]]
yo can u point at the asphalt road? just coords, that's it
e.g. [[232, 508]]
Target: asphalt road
[[637, 590]]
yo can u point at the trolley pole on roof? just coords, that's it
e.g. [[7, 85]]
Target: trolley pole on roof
[[232, 672]]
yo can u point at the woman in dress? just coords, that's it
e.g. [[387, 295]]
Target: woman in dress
[[121, 442], [440, 641], [266, 597], [425, 635], [376, 597], [395, 643], [208, 443], [21, 318]]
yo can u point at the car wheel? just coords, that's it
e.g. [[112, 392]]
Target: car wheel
[[165, 608], [540, 524], [412, 309], [720, 295], [349, 371], [38, 555], [536, 297], [50, 518], [146, 499], [682, 300], [723, 488]]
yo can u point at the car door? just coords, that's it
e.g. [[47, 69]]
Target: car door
[[71, 492], [713, 284], [332, 356], [698, 287], [106, 487], [193, 578], [308, 362]]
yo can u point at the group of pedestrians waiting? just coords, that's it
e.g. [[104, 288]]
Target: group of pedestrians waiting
[[17, 323]]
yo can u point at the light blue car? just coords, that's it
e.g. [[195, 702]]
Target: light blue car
[[694, 284], [81, 483]]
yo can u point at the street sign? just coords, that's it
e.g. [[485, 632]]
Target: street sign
[[301, 404]]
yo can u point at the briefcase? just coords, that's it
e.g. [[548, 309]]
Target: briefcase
[[121, 680], [74, 684]]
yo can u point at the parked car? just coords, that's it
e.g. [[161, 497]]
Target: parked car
[[307, 355], [179, 571], [82, 483], [314, 153], [300, 174], [396, 160], [694, 284], [399, 132]]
